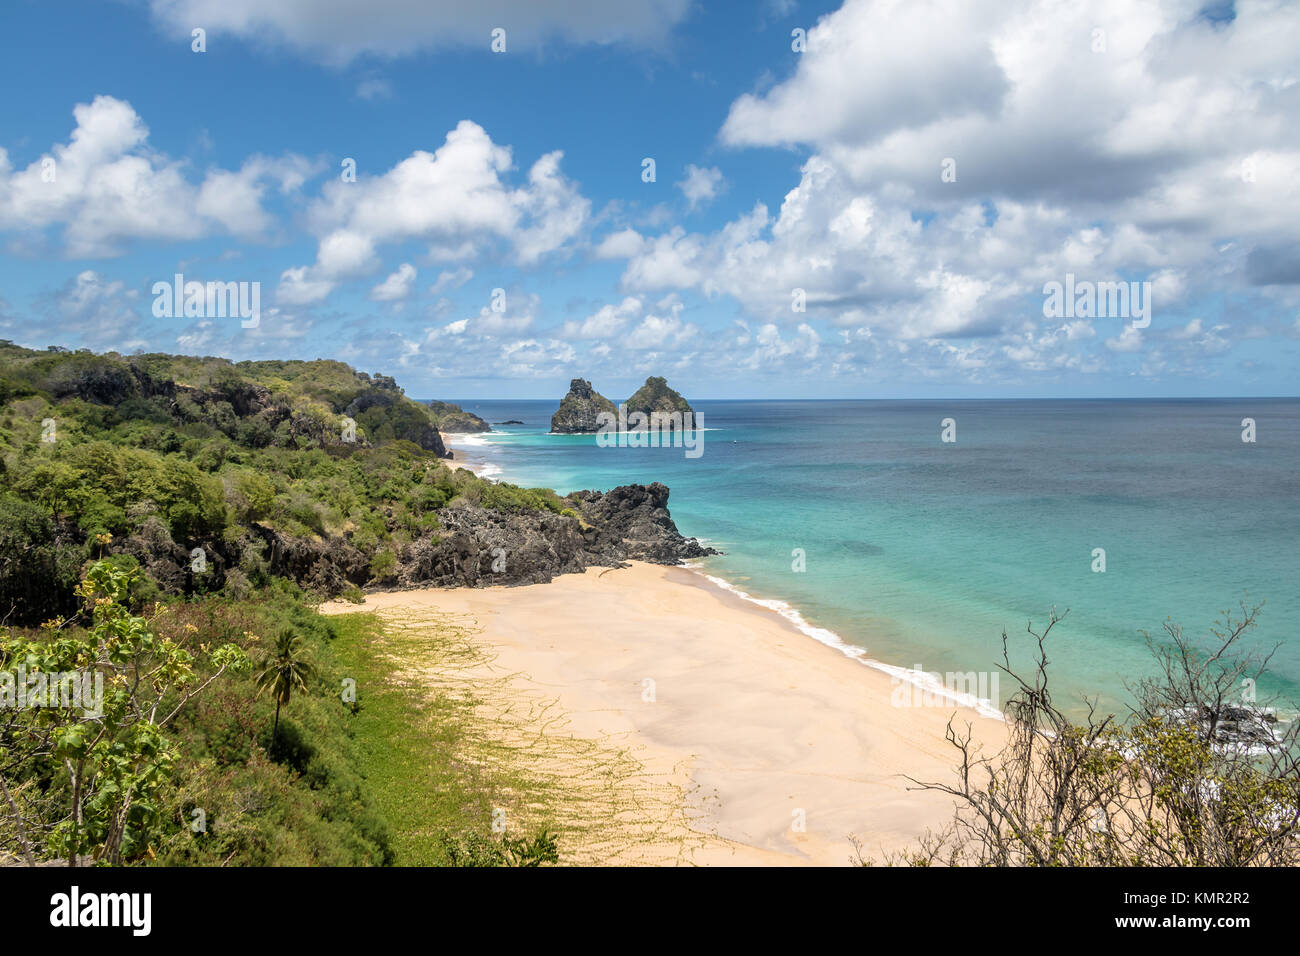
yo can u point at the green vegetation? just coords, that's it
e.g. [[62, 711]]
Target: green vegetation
[[165, 522], [656, 396], [504, 496], [188, 766], [453, 419], [474, 850], [1198, 774], [155, 456], [471, 767], [283, 671], [418, 748]]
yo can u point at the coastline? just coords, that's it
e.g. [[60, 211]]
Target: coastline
[[470, 449], [782, 749], [465, 446]]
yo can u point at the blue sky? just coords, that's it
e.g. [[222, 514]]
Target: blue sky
[[1154, 145]]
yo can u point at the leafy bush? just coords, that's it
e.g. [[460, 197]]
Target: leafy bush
[[471, 848], [37, 572]]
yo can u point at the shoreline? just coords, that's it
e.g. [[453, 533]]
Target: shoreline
[[922, 681], [459, 444], [782, 748]]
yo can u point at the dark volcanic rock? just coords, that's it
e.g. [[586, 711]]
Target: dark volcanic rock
[[98, 380], [578, 410], [317, 564], [656, 397], [476, 547], [480, 547], [637, 516], [162, 558], [326, 567]]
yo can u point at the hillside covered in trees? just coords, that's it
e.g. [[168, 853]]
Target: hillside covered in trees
[[215, 476], [170, 523]]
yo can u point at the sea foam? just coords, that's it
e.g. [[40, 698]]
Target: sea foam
[[920, 679]]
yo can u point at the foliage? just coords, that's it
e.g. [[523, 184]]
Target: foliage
[[282, 672], [152, 457], [156, 455], [115, 754], [37, 571], [1196, 775], [471, 848]]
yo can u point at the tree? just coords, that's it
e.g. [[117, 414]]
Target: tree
[[128, 684], [283, 671], [1196, 775], [38, 571], [258, 495]]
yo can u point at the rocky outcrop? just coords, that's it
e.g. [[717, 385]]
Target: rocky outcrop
[[636, 518], [655, 396], [384, 414], [578, 410], [478, 547], [455, 420], [577, 414], [475, 547], [1232, 725], [163, 559], [324, 566], [95, 379]]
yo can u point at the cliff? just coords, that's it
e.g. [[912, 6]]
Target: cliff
[[578, 410], [454, 420], [215, 477], [656, 396]]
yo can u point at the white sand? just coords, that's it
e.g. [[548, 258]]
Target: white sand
[[762, 725], [451, 440]]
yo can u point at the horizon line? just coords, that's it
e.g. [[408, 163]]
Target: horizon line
[[921, 398]]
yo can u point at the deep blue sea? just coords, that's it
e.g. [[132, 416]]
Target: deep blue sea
[[922, 551]]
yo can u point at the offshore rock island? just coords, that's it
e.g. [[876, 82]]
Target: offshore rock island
[[580, 410]]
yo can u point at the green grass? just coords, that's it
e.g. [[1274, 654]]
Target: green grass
[[445, 737], [407, 741]]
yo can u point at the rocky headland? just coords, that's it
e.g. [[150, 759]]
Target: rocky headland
[[212, 476], [474, 547], [455, 420]]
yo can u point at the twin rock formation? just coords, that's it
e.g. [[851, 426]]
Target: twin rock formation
[[578, 412]]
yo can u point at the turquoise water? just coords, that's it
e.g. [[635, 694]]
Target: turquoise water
[[922, 551]]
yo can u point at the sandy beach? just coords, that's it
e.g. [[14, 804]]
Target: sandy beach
[[456, 444], [781, 748]]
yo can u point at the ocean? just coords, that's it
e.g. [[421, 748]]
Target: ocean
[[856, 521]]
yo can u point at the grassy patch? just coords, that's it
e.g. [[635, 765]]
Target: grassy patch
[[409, 738], [449, 743]]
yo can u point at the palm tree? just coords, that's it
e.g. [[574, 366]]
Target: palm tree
[[283, 671]]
